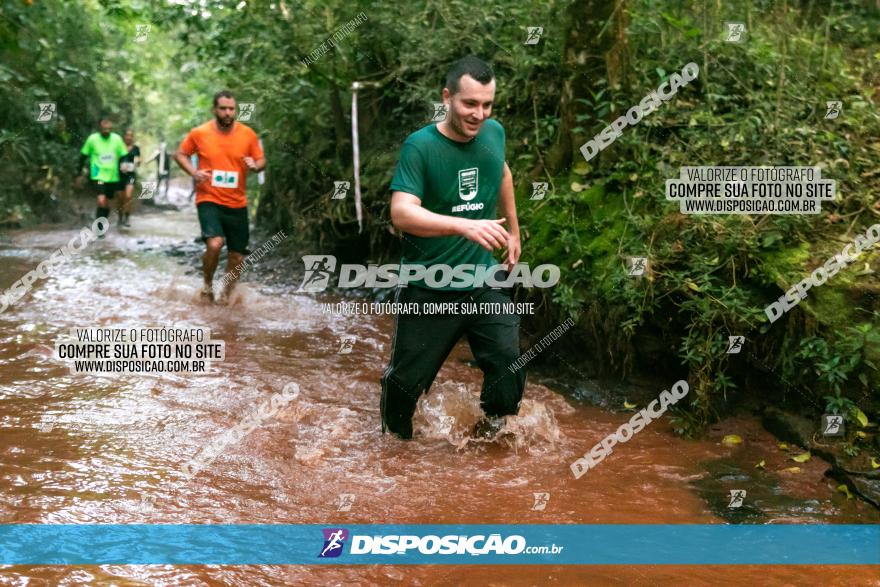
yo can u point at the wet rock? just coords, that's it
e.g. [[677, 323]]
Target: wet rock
[[803, 432], [860, 484], [788, 427], [590, 393], [726, 476]]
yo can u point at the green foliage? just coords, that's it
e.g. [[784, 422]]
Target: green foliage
[[50, 51], [851, 449], [685, 423], [840, 405], [838, 364], [761, 102], [400, 52], [83, 56]]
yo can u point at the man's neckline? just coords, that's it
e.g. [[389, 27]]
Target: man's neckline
[[453, 141], [216, 127]]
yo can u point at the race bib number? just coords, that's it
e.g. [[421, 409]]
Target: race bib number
[[127, 166], [224, 179], [106, 158]]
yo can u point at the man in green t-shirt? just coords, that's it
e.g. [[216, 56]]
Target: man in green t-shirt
[[450, 181], [102, 151]]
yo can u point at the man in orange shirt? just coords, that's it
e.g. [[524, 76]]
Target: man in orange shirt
[[227, 150]]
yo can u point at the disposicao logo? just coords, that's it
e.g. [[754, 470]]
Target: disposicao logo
[[450, 544], [334, 541], [320, 268]]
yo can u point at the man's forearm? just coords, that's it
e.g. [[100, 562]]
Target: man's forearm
[[184, 163], [508, 211], [507, 204], [81, 168], [415, 220], [260, 164]]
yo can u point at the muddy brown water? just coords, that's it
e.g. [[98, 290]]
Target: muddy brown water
[[86, 449]]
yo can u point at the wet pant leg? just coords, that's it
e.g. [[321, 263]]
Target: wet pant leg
[[494, 341], [419, 348]]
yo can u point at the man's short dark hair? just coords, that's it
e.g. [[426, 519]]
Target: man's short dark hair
[[106, 117], [472, 66], [222, 94]]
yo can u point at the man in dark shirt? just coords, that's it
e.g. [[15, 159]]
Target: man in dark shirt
[[450, 180]]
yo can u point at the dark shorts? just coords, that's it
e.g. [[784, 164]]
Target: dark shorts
[[108, 189], [229, 223], [127, 178]]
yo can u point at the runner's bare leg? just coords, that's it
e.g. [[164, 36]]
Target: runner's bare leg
[[120, 205], [233, 262], [126, 206], [209, 263]]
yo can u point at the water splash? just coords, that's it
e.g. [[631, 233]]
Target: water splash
[[450, 410]]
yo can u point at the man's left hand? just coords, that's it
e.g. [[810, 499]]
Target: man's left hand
[[251, 164]]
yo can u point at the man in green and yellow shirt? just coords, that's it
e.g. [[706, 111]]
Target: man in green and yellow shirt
[[102, 151]]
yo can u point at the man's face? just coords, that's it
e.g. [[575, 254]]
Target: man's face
[[224, 111], [470, 106], [106, 127], [129, 137]]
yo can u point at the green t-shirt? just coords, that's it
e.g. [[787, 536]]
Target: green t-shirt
[[104, 156], [453, 179]]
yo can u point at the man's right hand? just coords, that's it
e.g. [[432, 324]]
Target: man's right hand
[[200, 175], [489, 234]]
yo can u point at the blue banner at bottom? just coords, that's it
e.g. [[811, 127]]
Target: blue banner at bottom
[[279, 544]]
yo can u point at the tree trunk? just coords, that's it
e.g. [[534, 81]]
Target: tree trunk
[[595, 38], [342, 129]]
